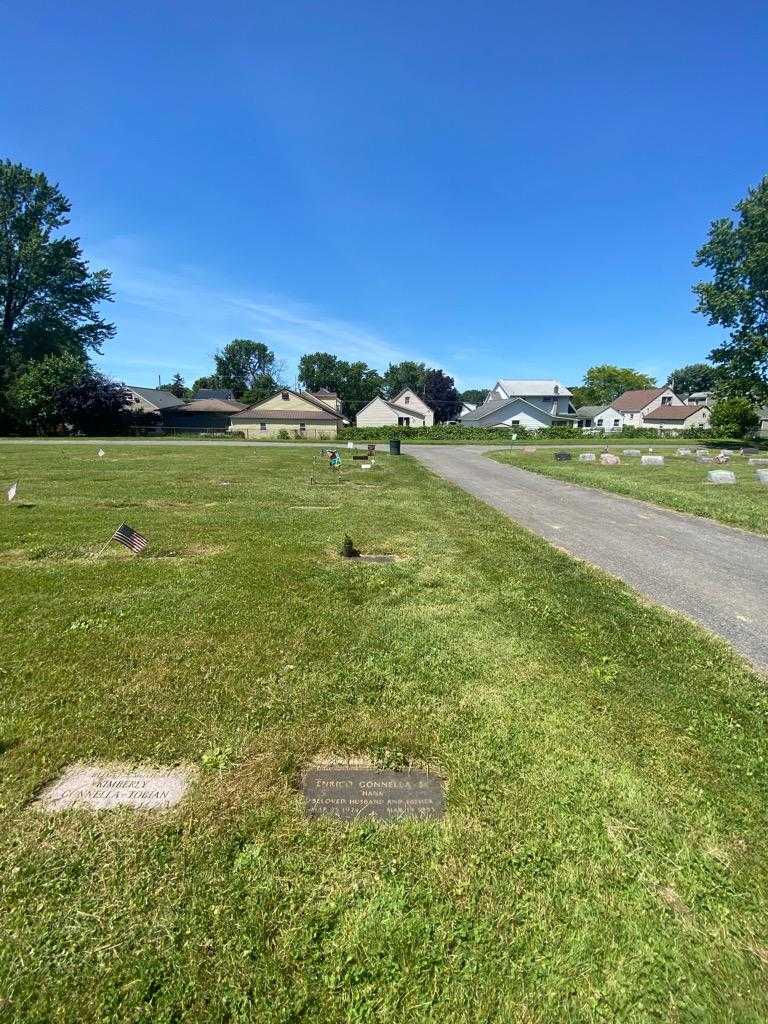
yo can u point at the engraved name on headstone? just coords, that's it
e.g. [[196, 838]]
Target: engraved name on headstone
[[102, 787], [351, 792]]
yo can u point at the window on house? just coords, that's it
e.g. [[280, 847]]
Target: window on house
[[302, 426], [599, 423], [403, 421], [262, 426], [514, 423], [406, 400], [616, 423], [666, 400], [285, 396]]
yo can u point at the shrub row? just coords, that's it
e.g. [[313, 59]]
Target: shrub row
[[443, 432]]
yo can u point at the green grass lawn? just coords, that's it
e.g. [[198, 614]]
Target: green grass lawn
[[681, 483], [603, 855]]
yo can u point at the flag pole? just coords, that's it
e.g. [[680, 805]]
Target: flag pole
[[101, 551]]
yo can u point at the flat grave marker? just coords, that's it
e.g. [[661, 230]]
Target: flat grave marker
[[103, 787], [562, 456], [353, 792], [652, 460], [757, 462], [587, 457], [762, 476], [632, 452], [721, 476]]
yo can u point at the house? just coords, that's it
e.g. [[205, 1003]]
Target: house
[[201, 415], [636, 405], [524, 403], [700, 398], [599, 417], [301, 413], [148, 404], [406, 409], [678, 417], [466, 408]]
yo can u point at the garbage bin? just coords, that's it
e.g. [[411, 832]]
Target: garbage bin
[[394, 446]]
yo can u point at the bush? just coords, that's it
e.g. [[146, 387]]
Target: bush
[[735, 417]]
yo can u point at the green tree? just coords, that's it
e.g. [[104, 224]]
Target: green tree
[[734, 417], [476, 396], [407, 374], [355, 383], [737, 296], [33, 395], [177, 387], [249, 368], [204, 382], [441, 395], [602, 384], [93, 404], [694, 377], [49, 298]]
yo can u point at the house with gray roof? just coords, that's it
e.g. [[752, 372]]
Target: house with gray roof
[[529, 403], [599, 417], [148, 405]]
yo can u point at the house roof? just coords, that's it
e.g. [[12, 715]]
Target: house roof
[[401, 410], [537, 388], [224, 394], [588, 412], [674, 413], [210, 405], [395, 400], [286, 415], [488, 408], [636, 401], [256, 412], [160, 399], [323, 393]]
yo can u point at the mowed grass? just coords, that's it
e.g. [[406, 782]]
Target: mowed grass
[[603, 856], [681, 483]]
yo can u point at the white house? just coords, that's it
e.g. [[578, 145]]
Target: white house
[[635, 406], [678, 417], [600, 417], [406, 409], [524, 403]]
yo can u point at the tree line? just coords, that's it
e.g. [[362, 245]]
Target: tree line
[[51, 325]]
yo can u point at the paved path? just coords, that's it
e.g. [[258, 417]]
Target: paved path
[[714, 574]]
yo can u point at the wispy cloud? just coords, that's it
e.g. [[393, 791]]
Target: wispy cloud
[[175, 320]]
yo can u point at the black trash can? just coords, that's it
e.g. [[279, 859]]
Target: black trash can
[[394, 446]]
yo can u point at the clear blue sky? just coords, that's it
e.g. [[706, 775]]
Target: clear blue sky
[[500, 189]]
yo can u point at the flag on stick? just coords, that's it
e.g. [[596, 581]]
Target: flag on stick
[[101, 453], [129, 538], [11, 492]]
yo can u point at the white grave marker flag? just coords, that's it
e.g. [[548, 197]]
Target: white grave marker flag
[[101, 453], [11, 492]]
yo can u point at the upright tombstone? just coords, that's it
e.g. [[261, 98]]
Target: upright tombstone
[[684, 451], [757, 462], [652, 460], [562, 456], [704, 459], [587, 457], [702, 451], [762, 476], [750, 451], [721, 476], [359, 790], [633, 453]]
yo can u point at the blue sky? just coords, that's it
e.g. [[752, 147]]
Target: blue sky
[[496, 188]]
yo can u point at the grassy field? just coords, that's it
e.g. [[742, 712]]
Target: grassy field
[[681, 483], [603, 855]]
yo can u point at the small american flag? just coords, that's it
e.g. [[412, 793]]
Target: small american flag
[[130, 539], [11, 492]]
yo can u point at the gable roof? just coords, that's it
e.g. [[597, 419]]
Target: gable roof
[[255, 410], [636, 401], [676, 413], [535, 388], [488, 408], [401, 410], [588, 412], [160, 399], [396, 398], [210, 405]]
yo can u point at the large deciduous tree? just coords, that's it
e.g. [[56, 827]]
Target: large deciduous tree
[[734, 417], [737, 296], [407, 374], [602, 384], [355, 383], [49, 297], [694, 377], [441, 395], [248, 368], [475, 396]]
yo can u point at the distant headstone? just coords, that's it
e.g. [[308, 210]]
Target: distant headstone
[[704, 459], [587, 457], [632, 452], [762, 476], [652, 460], [100, 788], [607, 459], [758, 462], [702, 451], [562, 456], [352, 792], [365, 465], [529, 449], [750, 451], [721, 476], [684, 451], [350, 444]]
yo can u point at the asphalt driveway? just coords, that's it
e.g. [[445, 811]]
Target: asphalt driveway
[[714, 574]]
